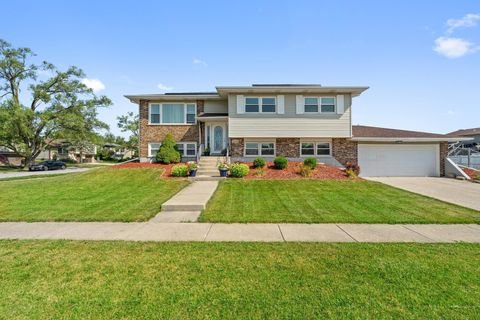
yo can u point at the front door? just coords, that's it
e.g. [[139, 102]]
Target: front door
[[218, 137]]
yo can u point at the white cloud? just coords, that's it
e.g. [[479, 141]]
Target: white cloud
[[450, 112], [164, 87], [94, 84], [467, 21], [198, 61], [453, 47]]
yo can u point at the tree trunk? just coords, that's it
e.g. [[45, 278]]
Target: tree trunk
[[29, 161]]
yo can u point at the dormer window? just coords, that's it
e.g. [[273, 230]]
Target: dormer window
[[319, 104], [260, 105]]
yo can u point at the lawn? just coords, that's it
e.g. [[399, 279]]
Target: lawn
[[313, 201], [127, 280], [99, 195]]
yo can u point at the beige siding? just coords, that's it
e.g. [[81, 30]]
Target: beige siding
[[290, 127], [214, 106]]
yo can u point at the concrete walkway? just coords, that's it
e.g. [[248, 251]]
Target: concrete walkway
[[462, 193], [39, 173], [154, 231]]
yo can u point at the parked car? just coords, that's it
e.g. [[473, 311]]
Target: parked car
[[48, 165]]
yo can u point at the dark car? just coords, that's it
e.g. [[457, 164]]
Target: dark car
[[48, 165]]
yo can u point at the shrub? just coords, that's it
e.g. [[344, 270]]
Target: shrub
[[280, 162], [305, 170], [259, 172], [180, 170], [239, 170], [259, 163], [168, 151], [311, 162], [353, 167]]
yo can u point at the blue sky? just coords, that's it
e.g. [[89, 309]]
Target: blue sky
[[421, 59]]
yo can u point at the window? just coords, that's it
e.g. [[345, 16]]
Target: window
[[319, 104], [172, 113], [265, 104], [315, 149], [311, 104], [251, 105], [153, 149], [154, 113], [328, 104], [191, 149], [259, 149]]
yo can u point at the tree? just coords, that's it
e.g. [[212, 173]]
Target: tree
[[130, 123], [59, 106], [168, 152]]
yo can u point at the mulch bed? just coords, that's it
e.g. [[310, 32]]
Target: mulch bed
[[322, 172], [471, 172]]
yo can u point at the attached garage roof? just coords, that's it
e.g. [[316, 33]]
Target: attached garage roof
[[366, 133]]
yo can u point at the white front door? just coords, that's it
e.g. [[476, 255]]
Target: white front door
[[216, 135], [390, 160]]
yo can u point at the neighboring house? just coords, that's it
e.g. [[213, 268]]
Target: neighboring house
[[8, 157], [466, 151], [119, 151], [295, 121], [470, 138], [62, 149]]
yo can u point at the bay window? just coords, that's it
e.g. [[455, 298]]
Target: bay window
[[172, 113]]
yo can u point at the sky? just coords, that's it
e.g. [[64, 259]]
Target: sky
[[421, 59]]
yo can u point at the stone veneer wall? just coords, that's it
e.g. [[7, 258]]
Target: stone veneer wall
[[156, 133], [288, 147], [236, 147], [443, 156], [345, 150]]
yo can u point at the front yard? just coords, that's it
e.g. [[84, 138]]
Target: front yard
[[328, 201], [126, 280], [107, 194]]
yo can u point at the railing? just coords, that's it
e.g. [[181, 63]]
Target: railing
[[199, 152]]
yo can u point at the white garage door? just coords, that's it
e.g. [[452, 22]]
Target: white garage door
[[402, 160]]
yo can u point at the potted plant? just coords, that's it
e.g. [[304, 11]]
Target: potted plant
[[223, 168], [207, 151], [192, 168]]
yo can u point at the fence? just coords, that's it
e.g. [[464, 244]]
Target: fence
[[463, 160]]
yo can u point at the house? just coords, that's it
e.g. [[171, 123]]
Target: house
[[296, 121], [117, 151], [466, 151], [470, 138], [8, 157], [62, 149]]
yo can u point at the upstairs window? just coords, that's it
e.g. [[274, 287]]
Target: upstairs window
[[172, 113], [319, 104], [260, 105]]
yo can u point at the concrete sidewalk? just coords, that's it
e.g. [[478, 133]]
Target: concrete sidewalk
[[6, 175], [154, 231]]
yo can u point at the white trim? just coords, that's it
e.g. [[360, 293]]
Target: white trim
[[260, 104], [281, 104], [240, 104], [340, 104], [319, 102], [299, 104], [259, 148], [185, 108], [315, 143]]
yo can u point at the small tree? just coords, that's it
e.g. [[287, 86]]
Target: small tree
[[130, 123], [168, 152]]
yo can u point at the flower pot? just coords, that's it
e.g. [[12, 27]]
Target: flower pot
[[223, 173], [192, 173]]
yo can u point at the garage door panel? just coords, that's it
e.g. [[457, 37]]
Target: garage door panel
[[398, 160]]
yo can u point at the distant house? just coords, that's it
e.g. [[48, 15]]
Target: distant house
[[9, 158], [468, 133], [62, 149], [119, 152]]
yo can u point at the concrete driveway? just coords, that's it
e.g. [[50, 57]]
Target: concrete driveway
[[37, 173], [463, 193]]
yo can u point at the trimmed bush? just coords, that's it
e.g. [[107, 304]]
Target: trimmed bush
[[180, 170], [239, 170], [168, 152], [259, 162], [280, 162], [353, 168], [311, 162]]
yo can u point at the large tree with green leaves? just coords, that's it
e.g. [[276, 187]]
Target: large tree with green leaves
[[130, 123], [56, 107]]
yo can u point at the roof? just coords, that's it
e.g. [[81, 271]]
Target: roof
[[367, 133], [465, 132], [223, 91]]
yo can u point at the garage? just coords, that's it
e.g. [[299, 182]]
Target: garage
[[399, 159]]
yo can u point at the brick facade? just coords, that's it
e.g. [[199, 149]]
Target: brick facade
[[345, 150], [288, 147], [156, 133], [236, 147]]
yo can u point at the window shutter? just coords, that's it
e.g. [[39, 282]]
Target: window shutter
[[340, 104], [240, 104], [281, 104], [299, 104]]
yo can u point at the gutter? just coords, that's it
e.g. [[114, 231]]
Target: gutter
[[400, 140]]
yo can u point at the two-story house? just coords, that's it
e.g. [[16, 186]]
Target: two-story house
[[296, 121]]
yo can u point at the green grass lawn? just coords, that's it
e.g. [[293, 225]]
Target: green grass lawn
[[99, 195], [127, 280], [314, 201]]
